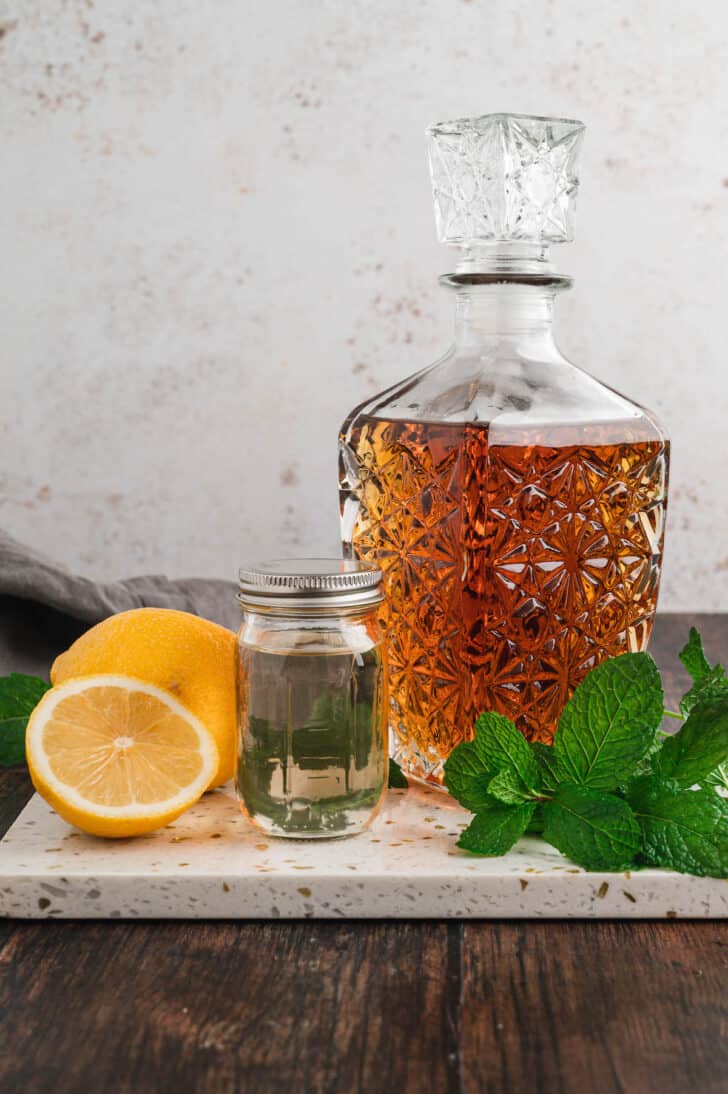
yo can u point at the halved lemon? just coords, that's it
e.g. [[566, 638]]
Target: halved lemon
[[116, 756], [190, 658]]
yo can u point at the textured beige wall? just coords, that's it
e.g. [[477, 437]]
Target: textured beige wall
[[217, 237]]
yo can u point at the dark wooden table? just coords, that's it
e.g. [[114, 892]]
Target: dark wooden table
[[583, 1007]]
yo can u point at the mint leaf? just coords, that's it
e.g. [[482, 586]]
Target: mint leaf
[[467, 777], [396, 780], [609, 723], [507, 786], [548, 765], [594, 829], [503, 748], [496, 828], [684, 830], [712, 686], [718, 778], [19, 695], [693, 656], [709, 683], [699, 746]]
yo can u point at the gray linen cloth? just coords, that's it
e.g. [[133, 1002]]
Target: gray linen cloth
[[44, 606]]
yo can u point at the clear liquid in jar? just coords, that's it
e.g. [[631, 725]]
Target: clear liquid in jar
[[312, 749]]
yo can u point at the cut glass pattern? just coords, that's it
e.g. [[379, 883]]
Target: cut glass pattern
[[509, 571], [504, 177]]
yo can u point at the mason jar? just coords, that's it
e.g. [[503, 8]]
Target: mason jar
[[312, 744]]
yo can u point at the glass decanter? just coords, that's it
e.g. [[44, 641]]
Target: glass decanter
[[515, 504]]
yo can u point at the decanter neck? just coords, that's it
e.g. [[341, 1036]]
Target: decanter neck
[[517, 313]]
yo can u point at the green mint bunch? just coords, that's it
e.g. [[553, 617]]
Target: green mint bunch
[[612, 792]]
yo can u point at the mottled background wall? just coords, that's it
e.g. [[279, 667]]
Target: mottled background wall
[[217, 237]]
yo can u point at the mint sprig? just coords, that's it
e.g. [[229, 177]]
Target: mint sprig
[[612, 792], [19, 694], [708, 682]]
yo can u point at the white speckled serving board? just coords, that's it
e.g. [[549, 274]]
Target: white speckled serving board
[[212, 864]]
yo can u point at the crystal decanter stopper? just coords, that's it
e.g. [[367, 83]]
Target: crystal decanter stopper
[[504, 178], [514, 504]]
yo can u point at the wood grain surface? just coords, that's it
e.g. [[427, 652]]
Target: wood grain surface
[[576, 1007]]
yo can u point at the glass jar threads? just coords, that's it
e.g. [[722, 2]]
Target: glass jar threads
[[312, 745]]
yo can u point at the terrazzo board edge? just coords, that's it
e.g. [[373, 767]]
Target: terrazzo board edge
[[211, 864]]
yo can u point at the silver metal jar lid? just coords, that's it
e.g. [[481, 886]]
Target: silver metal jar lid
[[310, 582]]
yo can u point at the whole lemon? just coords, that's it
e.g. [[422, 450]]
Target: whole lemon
[[190, 658]]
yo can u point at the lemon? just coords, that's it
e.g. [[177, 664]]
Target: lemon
[[116, 756], [189, 658]]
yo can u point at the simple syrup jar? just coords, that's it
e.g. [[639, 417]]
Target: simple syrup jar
[[514, 504], [312, 728]]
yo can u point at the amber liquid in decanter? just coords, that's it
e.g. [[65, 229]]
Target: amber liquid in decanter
[[511, 570]]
